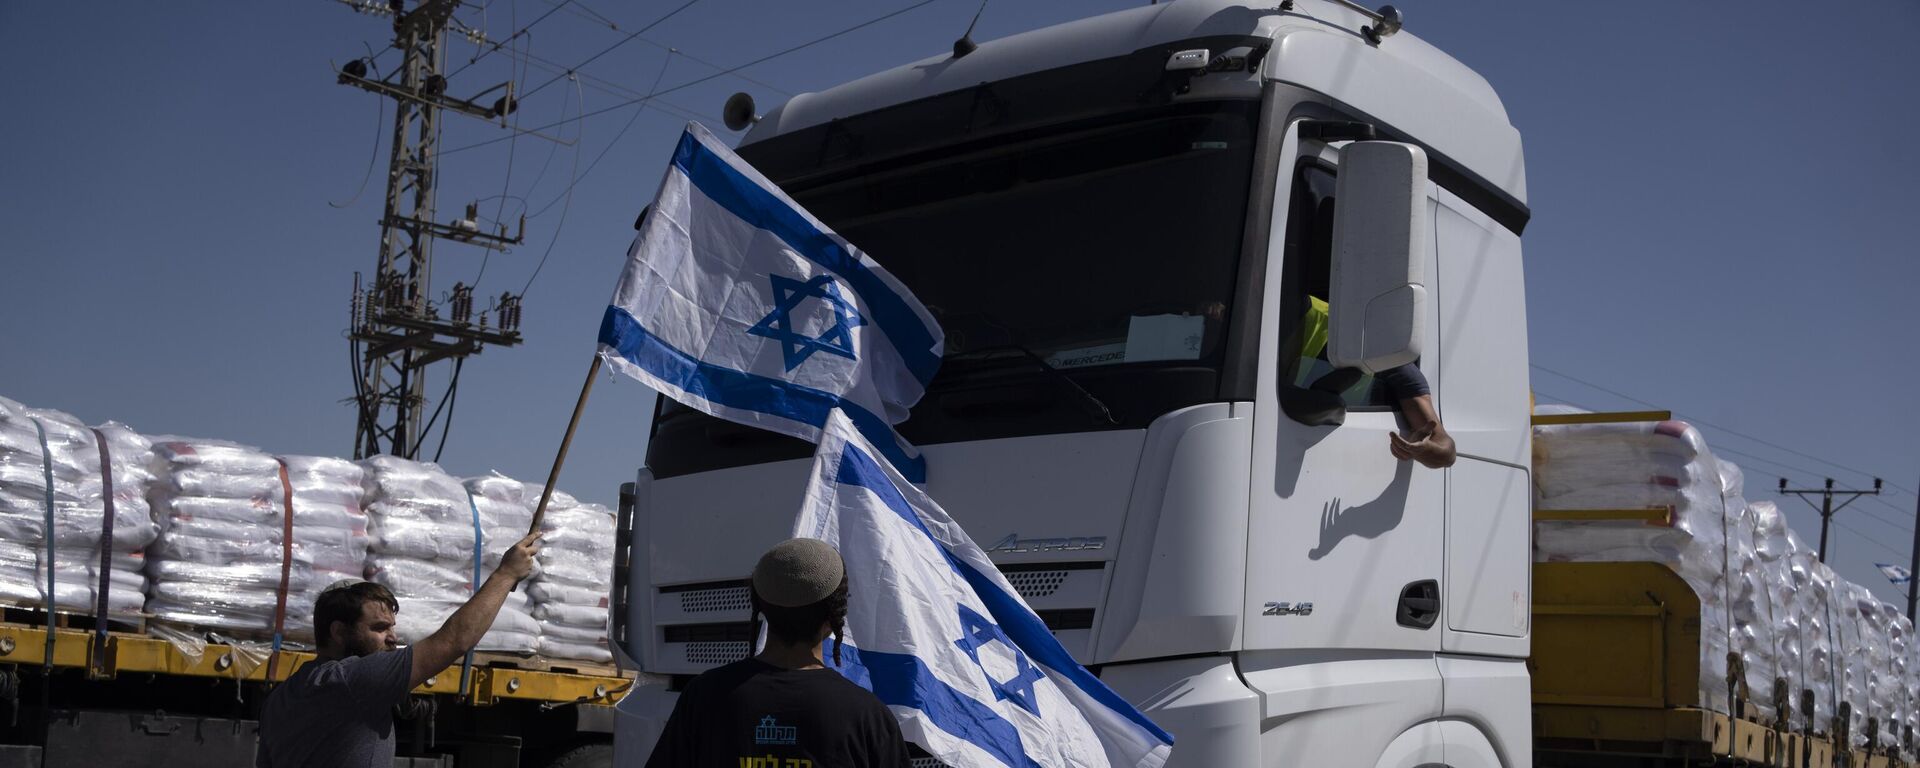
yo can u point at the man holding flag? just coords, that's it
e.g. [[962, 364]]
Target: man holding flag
[[736, 302]]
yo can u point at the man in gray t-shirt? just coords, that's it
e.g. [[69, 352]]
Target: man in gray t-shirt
[[337, 710]]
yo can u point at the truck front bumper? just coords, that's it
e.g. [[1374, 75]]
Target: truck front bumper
[[638, 720]]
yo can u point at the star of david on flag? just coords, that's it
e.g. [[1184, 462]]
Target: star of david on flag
[[737, 302], [778, 325], [1895, 573], [981, 633], [937, 633]]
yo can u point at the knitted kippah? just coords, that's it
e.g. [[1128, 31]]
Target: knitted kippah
[[798, 572]]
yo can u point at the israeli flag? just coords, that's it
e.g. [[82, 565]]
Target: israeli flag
[[1895, 573], [938, 634], [737, 302]]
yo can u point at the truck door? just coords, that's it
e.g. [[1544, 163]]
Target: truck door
[[1345, 547], [1489, 492], [1344, 543]]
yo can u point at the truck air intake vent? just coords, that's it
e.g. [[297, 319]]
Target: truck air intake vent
[[1032, 584], [732, 599], [1062, 619], [712, 644], [717, 653]]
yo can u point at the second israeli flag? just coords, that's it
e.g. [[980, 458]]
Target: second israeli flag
[[936, 632]]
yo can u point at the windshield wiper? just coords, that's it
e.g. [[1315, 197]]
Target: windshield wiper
[[1098, 409]]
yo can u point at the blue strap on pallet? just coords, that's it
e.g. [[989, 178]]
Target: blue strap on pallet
[[97, 656], [46, 683], [46, 470], [479, 547]]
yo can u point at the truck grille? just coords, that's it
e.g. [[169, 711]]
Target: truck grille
[[716, 654], [732, 599], [1032, 584]]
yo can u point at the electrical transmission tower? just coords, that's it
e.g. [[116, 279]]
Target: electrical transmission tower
[[396, 328]]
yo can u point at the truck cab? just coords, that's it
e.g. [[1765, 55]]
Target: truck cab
[[1124, 225]]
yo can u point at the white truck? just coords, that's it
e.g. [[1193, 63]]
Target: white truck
[[1122, 224]]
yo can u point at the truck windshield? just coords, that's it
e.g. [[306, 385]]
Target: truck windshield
[[1106, 251], [1112, 245]]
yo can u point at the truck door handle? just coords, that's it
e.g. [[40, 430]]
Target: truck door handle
[[1419, 605]]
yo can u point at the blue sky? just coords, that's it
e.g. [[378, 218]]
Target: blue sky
[[1722, 205]]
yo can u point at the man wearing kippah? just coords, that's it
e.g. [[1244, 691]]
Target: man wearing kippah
[[784, 708]]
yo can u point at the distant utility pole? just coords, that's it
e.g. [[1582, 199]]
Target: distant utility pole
[[1826, 507], [396, 328], [1913, 564]]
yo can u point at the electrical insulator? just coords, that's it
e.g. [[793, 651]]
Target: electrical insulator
[[460, 307], [509, 312]]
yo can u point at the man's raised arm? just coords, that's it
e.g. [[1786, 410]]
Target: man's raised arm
[[466, 626]]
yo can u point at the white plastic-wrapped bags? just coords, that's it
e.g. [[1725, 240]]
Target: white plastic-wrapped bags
[[576, 579], [426, 533], [219, 564], [1642, 465], [79, 498], [1795, 628], [568, 593]]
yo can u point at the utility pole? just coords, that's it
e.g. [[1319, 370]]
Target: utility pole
[[1913, 564], [396, 328], [1826, 507]]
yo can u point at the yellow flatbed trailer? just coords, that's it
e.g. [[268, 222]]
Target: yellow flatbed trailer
[[1616, 668], [143, 700]]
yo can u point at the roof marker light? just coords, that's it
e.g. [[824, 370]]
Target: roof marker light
[[1190, 59]]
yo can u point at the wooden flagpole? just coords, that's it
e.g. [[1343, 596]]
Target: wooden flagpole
[[554, 476]]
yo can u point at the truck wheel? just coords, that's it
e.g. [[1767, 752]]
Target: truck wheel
[[585, 756]]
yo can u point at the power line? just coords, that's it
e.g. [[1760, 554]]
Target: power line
[[1902, 527], [506, 182], [558, 67], [561, 225], [729, 71], [580, 9], [379, 127], [510, 38], [611, 88], [610, 48], [711, 65], [1701, 422], [1870, 539], [568, 192]]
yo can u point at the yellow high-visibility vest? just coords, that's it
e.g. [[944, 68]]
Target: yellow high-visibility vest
[[1313, 341]]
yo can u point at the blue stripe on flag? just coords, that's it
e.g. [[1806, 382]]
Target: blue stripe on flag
[[732, 190], [1026, 629], [745, 391], [904, 680]]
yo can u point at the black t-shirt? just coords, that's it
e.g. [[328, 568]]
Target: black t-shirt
[[751, 714]]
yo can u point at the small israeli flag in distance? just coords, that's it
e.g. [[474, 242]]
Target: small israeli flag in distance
[[938, 634], [737, 302], [1895, 574]]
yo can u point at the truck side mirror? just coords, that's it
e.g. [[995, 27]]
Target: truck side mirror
[[1380, 232]]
